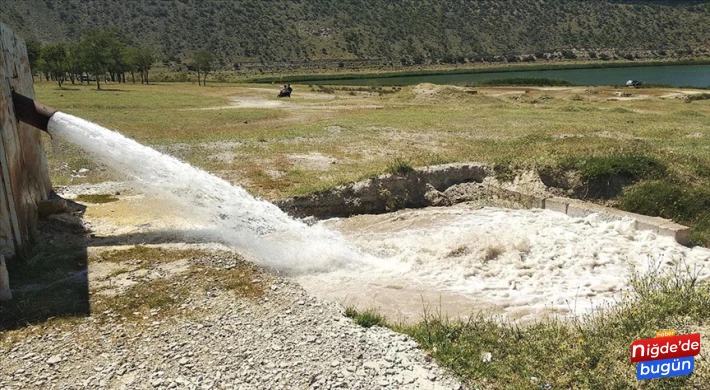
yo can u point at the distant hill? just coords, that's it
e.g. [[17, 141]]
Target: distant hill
[[412, 31]]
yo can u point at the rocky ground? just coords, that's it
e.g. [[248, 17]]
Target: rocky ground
[[207, 335], [282, 340]]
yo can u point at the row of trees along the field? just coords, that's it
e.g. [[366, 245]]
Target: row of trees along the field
[[101, 54]]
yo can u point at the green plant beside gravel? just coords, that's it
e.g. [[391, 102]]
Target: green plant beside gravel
[[589, 352]]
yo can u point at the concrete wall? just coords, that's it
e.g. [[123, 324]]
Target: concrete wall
[[24, 177]]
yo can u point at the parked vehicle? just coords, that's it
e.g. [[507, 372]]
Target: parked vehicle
[[286, 91], [634, 83]]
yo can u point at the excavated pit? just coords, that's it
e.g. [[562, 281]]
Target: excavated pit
[[501, 248]]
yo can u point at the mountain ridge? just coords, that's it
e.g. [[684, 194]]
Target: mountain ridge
[[404, 31]]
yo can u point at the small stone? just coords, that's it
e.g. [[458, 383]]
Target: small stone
[[183, 361], [54, 359], [334, 363], [157, 382], [49, 207], [372, 366]]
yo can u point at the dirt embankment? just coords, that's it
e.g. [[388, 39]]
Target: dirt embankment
[[439, 185], [420, 187]]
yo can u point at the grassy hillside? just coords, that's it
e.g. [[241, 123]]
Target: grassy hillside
[[404, 30]]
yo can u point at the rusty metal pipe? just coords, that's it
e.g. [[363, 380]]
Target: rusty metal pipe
[[32, 112]]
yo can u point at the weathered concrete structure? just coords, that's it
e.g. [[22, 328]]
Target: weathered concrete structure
[[24, 177]]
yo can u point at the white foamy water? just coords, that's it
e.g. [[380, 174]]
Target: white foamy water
[[216, 209], [519, 263]]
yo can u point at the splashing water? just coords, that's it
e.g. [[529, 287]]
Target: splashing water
[[519, 262], [217, 209]]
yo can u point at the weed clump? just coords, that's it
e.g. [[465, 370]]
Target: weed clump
[[366, 319], [399, 166], [630, 166], [681, 203], [96, 198], [148, 254], [504, 170]]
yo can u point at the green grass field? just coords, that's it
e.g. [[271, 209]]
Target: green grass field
[[268, 145]]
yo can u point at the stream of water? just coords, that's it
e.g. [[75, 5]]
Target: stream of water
[[515, 262], [217, 210]]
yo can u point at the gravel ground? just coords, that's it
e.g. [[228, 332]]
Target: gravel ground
[[283, 339]]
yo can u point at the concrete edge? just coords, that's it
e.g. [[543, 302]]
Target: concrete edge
[[580, 209]]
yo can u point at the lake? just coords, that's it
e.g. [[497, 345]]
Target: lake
[[677, 75]]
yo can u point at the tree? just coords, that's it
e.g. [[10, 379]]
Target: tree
[[144, 61], [95, 53], [75, 64], [203, 61], [33, 54], [140, 59], [55, 59], [131, 55]]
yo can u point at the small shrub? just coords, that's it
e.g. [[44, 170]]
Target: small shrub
[[503, 170], [668, 200], [631, 166], [399, 166], [567, 54]]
